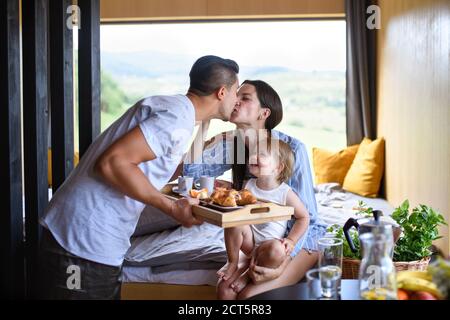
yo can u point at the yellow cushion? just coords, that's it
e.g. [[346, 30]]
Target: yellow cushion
[[364, 175], [76, 159], [332, 166]]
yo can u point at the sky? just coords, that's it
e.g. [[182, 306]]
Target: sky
[[299, 45]]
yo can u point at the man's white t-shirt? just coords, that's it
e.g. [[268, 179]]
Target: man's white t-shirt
[[92, 220]]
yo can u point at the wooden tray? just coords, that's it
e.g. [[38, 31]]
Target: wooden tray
[[257, 213]]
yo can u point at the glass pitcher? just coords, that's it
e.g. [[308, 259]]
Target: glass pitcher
[[377, 279]]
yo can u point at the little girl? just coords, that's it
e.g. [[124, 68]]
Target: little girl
[[272, 167]]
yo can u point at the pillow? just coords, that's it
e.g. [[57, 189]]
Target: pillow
[[364, 175], [332, 166], [76, 159]]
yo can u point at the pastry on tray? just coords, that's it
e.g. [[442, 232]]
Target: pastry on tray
[[246, 198], [232, 198], [199, 194]]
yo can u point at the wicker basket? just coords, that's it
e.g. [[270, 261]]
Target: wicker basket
[[350, 267]]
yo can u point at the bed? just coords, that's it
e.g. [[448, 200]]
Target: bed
[[167, 261]]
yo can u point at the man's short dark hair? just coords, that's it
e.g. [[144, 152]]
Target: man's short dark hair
[[209, 73]]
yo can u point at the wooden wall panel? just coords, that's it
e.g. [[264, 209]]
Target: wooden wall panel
[[138, 10], [414, 102], [163, 291], [310, 8], [89, 83], [35, 122], [61, 92], [143, 10], [12, 273]]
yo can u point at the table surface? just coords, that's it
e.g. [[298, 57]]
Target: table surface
[[349, 291]]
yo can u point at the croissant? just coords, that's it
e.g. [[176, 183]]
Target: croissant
[[232, 198], [199, 194], [225, 198], [246, 198]]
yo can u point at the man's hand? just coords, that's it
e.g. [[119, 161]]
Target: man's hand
[[288, 245], [181, 211]]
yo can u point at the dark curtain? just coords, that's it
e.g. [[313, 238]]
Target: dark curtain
[[361, 76]]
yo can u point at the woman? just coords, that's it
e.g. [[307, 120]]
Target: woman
[[259, 110]]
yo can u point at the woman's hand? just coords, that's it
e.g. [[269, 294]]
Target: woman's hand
[[288, 245], [260, 274]]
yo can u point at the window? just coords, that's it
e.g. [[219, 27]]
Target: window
[[303, 60]]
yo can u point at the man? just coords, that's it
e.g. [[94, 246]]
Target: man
[[89, 221]]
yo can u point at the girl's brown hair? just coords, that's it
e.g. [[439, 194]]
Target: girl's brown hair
[[285, 157]]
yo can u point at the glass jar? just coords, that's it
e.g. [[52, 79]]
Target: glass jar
[[377, 280]]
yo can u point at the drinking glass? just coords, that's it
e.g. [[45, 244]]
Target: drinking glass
[[319, 289], [330, 265], [330, 277], [313, 282]]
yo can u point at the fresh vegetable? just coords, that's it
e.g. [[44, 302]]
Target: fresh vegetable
[[422, 295], [402, 294], [413, 274], [440, 272], [418, 284]]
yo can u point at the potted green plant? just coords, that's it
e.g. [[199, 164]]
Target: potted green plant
[[412, 250]]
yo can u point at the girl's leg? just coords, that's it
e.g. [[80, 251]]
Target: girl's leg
[[236, 238], [269, 254], [239, 284], [224, 289], [294, 272]]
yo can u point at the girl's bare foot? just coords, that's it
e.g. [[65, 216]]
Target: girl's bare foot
[[240, 282], [227, 270]]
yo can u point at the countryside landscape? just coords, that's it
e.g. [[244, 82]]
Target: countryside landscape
[[313, 101]]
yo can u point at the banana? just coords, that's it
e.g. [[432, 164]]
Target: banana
[[413, 274], [417, 284]]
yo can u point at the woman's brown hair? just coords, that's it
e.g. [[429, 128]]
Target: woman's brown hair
[[268, 98]]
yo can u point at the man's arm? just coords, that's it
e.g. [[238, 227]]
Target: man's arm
[[118, 166]]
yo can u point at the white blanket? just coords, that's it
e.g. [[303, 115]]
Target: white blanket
[[336, 206], [185, 247]]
